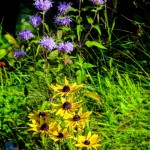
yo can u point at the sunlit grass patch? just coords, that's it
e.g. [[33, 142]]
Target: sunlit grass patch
[[122, 117]]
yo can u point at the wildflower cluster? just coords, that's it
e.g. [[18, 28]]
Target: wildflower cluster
[[65, 118], [69, 120], [62, 18], [47, 42]]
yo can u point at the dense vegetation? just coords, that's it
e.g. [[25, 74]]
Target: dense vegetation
[[75, 75]]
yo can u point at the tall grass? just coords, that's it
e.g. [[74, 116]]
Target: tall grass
[[123, 115]]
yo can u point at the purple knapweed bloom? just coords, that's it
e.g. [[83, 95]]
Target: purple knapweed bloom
[[98, 1], [63, 20], [67, 46], [48, 43], [61, 46], [43, 5], [35, 20], [25, 34], [18, 53], [63, 7]]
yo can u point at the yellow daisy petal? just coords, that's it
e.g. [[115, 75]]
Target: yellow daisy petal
[[66, 81]]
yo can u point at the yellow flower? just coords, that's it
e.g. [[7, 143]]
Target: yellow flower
[[42, 127], [40, 114], [66, 89], [60, 134], [77, 119], [89, 141], [67, 106]]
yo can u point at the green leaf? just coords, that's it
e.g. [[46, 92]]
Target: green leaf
[[92, 95], [59, 34], [34, 41], [44, 105], [11, 40], [86, 8], [87, 65], [39, 73], [53, 55], [10, 55], [65, 28], [4, 43], [72, 9], [11, 62], [3, 52], [97, 28], [79, 30], [60, 67], [94, 43], [46, 27], [78, 19], [37, 50], [80, 76], [48, 79], [89, 19]]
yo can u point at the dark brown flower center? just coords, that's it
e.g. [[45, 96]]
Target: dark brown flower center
[[87, 142], [66, 88], [76, 118], [42, 114], [60, 135], [45, 127], [67, 105]]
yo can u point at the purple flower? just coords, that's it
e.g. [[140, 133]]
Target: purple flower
[[98, 1], [63, 20], [67, 46], [63, 7], [25, 34], [18, 53], [35, 20], [61, 46], [43, 5], [48, 43]]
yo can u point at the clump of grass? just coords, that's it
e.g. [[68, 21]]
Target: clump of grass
[[122, 117]]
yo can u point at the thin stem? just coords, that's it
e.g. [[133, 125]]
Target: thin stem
[[80, 8], [44, 50], [86, 36], [43, 22]]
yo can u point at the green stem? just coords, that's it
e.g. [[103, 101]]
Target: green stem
[[86, 36], [44, 51]]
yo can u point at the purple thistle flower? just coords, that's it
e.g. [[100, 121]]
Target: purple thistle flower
[[63, 20], [25, 34], [98, 1], [67, 46], [18, 53], [35, 20], [61, 46], [63, 7], [43, 5], [48, 43]]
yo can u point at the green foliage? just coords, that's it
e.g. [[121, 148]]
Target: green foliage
[[94, 43], [112, 67], [124, 104]]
